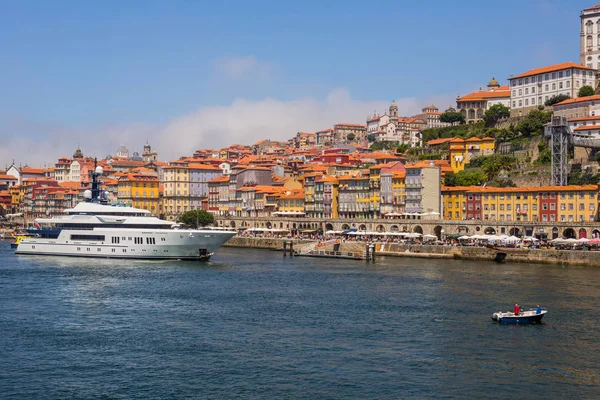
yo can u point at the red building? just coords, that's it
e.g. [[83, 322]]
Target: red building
[[548, 206]]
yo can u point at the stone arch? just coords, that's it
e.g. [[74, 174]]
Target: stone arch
[[437, 231], [294, 225], [596, 233], [269, 225], [471, 114], [328, 226], [418, 229], [345, 226], [554, 233], [582, 233], [463, 229], [244, 224], [514, 232], [479, 113], [232, 224], [489, 231], [281, 225], [394, 228], [569, 233], [404, 228], [380, 228], [362, 227]]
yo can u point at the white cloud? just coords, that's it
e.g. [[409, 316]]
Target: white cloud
[[244, 68], [243, 121]]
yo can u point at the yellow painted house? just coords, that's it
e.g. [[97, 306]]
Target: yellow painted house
[[292, 202], [375, 188], [140, 191], [399, 191], [461, 152], [176, 196], [577, 203], [454, 202]]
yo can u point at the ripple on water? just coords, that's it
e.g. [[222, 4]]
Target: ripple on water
[[252, 324]]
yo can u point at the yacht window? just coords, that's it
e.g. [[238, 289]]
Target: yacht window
[[96, 238]]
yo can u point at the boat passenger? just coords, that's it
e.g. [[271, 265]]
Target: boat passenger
[[538, 309], [516, 309]]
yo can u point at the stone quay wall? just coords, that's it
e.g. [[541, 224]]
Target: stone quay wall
[[538, 256]]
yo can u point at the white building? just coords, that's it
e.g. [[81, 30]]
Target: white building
[[431, 115], [532, 88], [578, 110], [589, 54], [474, 105]]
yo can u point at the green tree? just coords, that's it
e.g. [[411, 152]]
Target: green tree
[[371, 138], [496, 113], [452, 117], [350, 136], [197, 218], [585, 91], [556, 99], [450, 179], [402, 148], [533, 123], [470, 177]]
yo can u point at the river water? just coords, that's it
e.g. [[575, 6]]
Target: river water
[[252, 324]]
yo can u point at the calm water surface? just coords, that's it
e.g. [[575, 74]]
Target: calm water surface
[[251, 324]]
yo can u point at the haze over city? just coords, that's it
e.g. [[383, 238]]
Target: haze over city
[[191, 75]]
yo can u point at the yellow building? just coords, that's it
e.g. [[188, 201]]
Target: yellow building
[[292, 203], [16, 196], [509, 204], [375, 189], [176, 196], [461, 152], [576, 203], [454, 200], [399, 191], [140, 191]]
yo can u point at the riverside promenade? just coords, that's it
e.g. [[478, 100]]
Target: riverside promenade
[[521, 255]]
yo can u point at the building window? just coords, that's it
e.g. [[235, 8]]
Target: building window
[[533, 90], [554, 86], [546, 87], [526, 90], [568, 84], [520, 92], [589, 40], [560, 85]]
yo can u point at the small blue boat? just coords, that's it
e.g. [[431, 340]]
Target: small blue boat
[[531, 316]]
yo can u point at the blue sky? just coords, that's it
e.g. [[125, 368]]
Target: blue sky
[[71, 69]]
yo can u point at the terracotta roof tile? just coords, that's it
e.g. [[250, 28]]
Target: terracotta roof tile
[[551, 68]]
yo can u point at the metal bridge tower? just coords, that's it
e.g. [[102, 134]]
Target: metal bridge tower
[[560, 139]]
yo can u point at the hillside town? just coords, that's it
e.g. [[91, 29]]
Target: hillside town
[[487, 158]]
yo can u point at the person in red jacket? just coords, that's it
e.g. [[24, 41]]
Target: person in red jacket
[[516, 309]]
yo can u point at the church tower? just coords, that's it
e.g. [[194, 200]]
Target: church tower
[[393, 112], [148, 155]]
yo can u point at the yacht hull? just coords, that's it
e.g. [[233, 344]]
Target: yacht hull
[[160, 244]]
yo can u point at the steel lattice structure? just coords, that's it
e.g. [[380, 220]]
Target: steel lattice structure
[[560, 139]]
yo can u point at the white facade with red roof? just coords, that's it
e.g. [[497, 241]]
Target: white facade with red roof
[[532, 88]]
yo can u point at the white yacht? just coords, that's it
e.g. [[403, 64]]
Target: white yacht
[[96, 229]]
